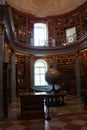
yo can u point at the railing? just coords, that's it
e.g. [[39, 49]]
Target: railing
[[45, 43], [60, 47]]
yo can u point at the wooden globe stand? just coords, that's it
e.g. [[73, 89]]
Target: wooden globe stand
[[48, 118], [53, 88], [52, 78]]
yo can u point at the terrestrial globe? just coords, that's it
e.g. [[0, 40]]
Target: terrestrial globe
[[52, 76]]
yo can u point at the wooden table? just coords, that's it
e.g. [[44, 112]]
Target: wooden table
[[55, 99]]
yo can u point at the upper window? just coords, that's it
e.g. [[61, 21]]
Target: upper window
[[40, 34], [71, 35], [40, 69]]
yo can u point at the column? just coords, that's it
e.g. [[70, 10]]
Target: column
[[13, 78], [1, 71], [32, 71], [85, 69], [78, 87], [54, 63], [6, 53]]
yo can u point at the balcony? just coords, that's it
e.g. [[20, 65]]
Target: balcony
[[24, 44], [66, 45]]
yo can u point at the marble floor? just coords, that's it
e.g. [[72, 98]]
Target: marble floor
[[72, 116]]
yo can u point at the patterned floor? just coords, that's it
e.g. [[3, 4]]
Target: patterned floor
[[72, 116]]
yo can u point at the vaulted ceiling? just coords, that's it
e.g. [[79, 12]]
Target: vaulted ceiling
[[42, 8]]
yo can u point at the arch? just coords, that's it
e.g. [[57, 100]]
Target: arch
[[40, 68]]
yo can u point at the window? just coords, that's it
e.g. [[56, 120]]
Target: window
[[40, 69], [71, 35], [40, 34]]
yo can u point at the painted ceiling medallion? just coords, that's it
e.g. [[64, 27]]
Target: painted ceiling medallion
[[40, 3]]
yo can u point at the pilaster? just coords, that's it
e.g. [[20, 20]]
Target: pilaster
[[13, 78], [1, 70], [78, 86]]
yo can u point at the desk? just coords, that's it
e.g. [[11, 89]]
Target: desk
[[32, 106], [55, 99], [51, 99]]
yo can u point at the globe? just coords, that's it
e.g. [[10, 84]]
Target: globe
[[52, 76]]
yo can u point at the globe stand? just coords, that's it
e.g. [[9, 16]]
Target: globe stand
[[53, 88], [51, 77], [48, 118]]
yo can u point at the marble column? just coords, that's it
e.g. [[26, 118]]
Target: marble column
[[32, 71], [54, 63], [6, 54], [78, 86], [1, 71], [13, 78]]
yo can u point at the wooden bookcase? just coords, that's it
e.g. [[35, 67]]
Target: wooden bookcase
[[66, 68]]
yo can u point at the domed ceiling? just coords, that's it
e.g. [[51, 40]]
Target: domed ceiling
[[42, 8]]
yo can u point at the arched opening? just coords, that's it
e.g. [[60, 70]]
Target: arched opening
[[40, 68]]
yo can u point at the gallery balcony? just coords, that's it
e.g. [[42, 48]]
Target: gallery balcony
[[62, 46]]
